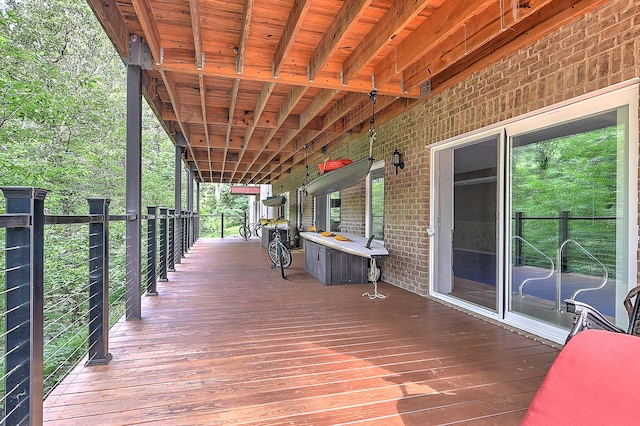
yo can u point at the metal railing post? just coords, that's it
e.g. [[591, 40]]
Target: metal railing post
[[221, 225], [183, 236], [163, 245], [24, 299], [152, 251], [563, 235], [518, 241], [99, 283], [171, 255]]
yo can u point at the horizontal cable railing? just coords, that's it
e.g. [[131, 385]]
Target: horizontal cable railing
[[64, 283]]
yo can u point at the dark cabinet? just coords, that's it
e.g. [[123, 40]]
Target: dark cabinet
[[332, 267]]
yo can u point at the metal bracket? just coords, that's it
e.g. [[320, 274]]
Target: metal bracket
[[139, 53]]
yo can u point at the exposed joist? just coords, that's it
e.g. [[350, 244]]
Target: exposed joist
[[167, 79], [196, 28], [149, 27], [295, 94], [294, 23], [322, 99], [347, 17], [487, 32], [109, 16], [392, 22], [233, 98], [247, 12], [436, 28], [263, 75], [203, 106], [265, 93]]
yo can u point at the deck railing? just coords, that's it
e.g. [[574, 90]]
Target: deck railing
[[45, 333]]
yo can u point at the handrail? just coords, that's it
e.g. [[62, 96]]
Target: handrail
[[559, 276], [553, 268]]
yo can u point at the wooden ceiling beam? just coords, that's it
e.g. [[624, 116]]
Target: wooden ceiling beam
[[294, 23], [108, 14], [167, 79], [196, 27], [488, 33], [203, 107], [233, 98], [265, 93], [295, 94], [149, 28], [245, 26], [392, 22], [322, 99], [263, 75], [348, 15], [437, 27]]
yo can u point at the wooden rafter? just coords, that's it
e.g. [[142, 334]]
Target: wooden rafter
[[292, 100], [244, 35], [203, 105], [291, 28], [232, 106], [254, 73], [487, 32], [150, 29], [167, 79], [108, 14], [347, 16], [265, 93], [393, 21], [196, 28], [437, 27]]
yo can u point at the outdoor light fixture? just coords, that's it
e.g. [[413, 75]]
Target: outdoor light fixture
[[396, 159]]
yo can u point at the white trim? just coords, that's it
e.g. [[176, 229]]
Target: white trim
[[616, 96], [367, 214]]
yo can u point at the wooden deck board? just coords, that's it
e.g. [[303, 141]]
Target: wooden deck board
[[227, 343]]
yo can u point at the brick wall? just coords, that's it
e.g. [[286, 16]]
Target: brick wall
[[597, 51]]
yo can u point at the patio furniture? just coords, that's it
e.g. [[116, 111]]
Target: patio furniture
[[591, 382], [587, 317]]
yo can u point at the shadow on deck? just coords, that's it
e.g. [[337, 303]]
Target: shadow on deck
[[227, 343]]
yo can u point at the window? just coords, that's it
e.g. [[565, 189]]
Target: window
[[334, 211], [375, 201]]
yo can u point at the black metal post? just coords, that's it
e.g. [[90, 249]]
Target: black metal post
[[171, 257], [152, 251], [163, 245], [563, 235], [221, 225], [24, 299], [99, 283], [134, 193], [185, 232], [517, 241]]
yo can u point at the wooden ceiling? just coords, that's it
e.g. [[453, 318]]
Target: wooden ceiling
[[253, 88]]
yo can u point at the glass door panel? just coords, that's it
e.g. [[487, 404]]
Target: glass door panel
[[568, 229]]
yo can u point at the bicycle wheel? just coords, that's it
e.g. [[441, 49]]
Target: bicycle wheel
[[279, 248], [273, 254], [244, 232], [259, 231]]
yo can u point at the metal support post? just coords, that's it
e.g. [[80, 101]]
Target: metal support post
[[24, 298], [134, 193], [99, 283]]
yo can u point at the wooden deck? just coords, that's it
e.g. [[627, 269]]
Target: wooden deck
[[225, 343]]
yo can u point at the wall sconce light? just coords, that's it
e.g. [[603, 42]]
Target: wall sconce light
[[396, 159]]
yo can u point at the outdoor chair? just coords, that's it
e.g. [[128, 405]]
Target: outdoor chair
[[591, 380], [587, 317]]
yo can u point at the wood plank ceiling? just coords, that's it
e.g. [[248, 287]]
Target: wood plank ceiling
[[248, 84]]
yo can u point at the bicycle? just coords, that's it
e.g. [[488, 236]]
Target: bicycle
[[279, 253]]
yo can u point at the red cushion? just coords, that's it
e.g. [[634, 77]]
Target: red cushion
[[595, 380]]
